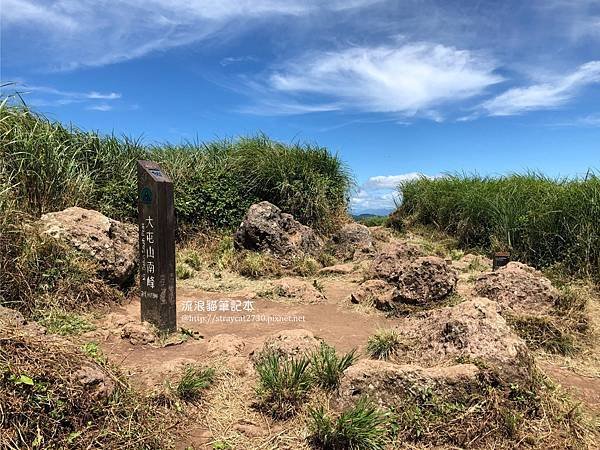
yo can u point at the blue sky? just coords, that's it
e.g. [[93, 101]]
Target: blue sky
[[397, 88]]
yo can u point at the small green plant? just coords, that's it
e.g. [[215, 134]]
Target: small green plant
[[383, 344], [543, 332], [193, 381], [183, 271], [328, 368], [192, 258], [64, 323], [327, 259], [257, 265], [360, 427], [306, 266], [93, 351], [283, 383]]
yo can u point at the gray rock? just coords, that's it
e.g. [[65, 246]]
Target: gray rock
[[352, 241]]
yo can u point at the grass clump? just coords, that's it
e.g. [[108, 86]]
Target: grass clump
[[541, 221], [258, 265], [361, 427], [65, 323], [305, 266], [328, 368], [384, 344], [183, 271], [193, 381], [284, 383]]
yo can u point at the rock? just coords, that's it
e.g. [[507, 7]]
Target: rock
[[518, 287], [226, 344], [138, 333], [266, 228], [112, 244], [294, 288], [473, 330], [96, 382], [471, 262], [11, 316], [338, 269], [378, 293], [390, 261], [391, 385], [352, 241], [290, 343], [427, 279]]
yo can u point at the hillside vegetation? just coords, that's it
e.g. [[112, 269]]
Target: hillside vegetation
[[541, 221]]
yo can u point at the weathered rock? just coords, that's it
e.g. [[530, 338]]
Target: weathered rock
[[13, 318], [473, 330], [97, 383], [352, 241], [266, 228], [112, 244], [390, 261], [338, 269], [378, 293], [294, 288], [426, 279], [519, 287], [288, 343], [471, 262], [138, 333], [226, 344], [391, 385]]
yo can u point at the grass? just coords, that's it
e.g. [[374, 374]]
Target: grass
[[193, 381], [257, 265], [361, 427], [541, 221], [65, 323], [328, 368], [284, 383], [384, 344], [305, 266]]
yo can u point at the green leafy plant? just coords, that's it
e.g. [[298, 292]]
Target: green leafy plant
[[193, 381], [383, 344], [328, 368]]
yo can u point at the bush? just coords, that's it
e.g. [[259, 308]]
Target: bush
[[328, 368], [361, 427], [541, 221], [193, 381], [258, 265], [383, 344], [283, 383]]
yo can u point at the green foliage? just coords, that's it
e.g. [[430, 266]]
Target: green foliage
[[328, 368], [373, 221], [361, 427], [258, 265], [193, 381], [65, 323], [383, 344], [540, 220], [543, 332], [283, 383], [45, 166], [183, 271], [305, 266]]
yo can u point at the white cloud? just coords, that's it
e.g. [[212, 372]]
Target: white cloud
[[545, 95], [50, 96], [408, 79], [380, 193], [101, 107], [73, 33]]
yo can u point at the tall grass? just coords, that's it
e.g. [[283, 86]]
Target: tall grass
[[540, 220], [46, 166]]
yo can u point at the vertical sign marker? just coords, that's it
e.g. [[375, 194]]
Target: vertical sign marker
[[156, 221]]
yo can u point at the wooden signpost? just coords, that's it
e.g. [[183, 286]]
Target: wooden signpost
[[156, 220]]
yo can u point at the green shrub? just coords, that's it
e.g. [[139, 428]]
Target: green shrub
[[328, 368], [183, 271], [283, 383], [383, 344], [193, 381], [305, 266], [258, 265], [541, 221], [361, 427]]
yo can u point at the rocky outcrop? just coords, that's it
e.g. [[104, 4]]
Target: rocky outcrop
[[301, 290], [288, 343], [390, 261], [473, 330], [266, 228], [352, 241], [97, 383], [112, 244], [138, 333], [226, 344], [426, 279], [518, 287], [377, 293], [391, 385]]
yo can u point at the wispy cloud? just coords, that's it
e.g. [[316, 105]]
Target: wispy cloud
[[380, 194], [101, 107], [545, 95], [407, 79], [50, 96]]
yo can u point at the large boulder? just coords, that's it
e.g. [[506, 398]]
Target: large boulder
[[518, 287], [112, 244], [352, 241], [297, 290], [391, 260], [377, 293], [288, 343], [426, 279], [473, 330], [391, 385], [266, 228]]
